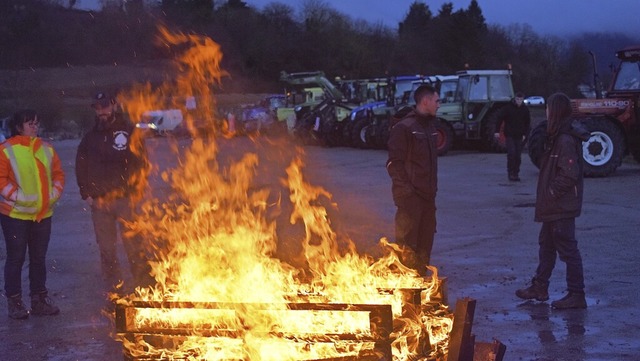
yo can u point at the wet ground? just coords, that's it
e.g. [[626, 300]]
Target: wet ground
[[485, 247]]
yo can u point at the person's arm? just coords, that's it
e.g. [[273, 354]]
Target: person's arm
[[398, 146], [568, 171], [81, 169], [8, 187], [527, 124], [57, 176]]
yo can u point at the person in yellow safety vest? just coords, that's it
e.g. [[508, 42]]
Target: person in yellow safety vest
[[31, 182]]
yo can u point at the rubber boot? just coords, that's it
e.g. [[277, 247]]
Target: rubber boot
[[42, 305], [570, 300], [17, 311], [537, 291]]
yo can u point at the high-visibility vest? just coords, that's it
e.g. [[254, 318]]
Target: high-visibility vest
[[29, 189]]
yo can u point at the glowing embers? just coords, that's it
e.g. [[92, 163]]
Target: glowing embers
[[222, 331]]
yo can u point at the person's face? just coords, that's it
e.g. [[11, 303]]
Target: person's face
[[431, 103], [103, 112], [30, 128], [519, 101]]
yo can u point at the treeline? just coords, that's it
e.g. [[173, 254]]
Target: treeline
[[258, 44]]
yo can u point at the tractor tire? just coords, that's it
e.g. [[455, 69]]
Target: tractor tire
[[604, 150], [490, 142], [444, 137], [536, 139], [635, 152], [602, 153], [383, 134], [347, 130], [332, 133], [358, 133]]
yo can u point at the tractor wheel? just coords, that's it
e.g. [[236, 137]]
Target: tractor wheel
[[490, 141], [536, 139], [332, 133], [604, 150], [358, 133], [347, 130], [635, 152], [444, 137], [383, 134]]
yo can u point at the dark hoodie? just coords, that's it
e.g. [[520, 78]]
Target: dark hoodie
[[560, 183], [105, 162]]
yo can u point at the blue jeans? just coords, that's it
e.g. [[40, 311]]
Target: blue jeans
[[109, 220], [558, 238], [20, 236]]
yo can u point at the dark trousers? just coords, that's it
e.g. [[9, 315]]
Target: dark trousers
[[415, 228], [20, 236], [514, 151], [558, 238], [109, 221]]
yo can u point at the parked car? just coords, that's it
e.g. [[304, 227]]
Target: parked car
[[534, 100]]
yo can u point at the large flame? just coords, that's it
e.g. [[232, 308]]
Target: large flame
[[215, 243]]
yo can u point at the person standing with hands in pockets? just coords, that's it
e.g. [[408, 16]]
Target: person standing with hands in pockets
[[413, 168], [111, 172], [31, 182], [558, 203]]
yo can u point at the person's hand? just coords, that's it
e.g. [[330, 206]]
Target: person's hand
[[496, 135], [89, 201]]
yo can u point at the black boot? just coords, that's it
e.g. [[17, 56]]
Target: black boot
[[42, 305], [570, 300], [17, 311], [537, 291]]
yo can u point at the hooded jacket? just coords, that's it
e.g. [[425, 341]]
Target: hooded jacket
[[413, 157], [105, 162], [560, 181]]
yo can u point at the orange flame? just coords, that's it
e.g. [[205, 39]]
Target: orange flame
[[215, 240]]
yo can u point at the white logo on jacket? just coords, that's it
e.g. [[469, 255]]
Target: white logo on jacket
[[120, 140]]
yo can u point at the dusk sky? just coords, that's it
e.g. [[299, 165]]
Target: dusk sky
[[557, 17]]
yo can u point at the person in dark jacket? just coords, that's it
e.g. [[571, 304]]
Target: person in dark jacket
[[110, 171], [558, 203], [516, 119], [413, 168]]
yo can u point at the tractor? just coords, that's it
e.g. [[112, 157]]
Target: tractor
[[320, 120], [471, 110], [613, 121]]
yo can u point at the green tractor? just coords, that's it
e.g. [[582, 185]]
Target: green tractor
[[471, 109], [320, 119]]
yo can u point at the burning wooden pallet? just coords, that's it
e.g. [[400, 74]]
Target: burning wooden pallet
[[148, 333], [158, 335]]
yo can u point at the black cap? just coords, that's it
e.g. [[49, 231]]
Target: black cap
[[102, 100]]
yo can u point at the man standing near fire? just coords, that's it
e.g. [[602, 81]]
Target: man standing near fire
[[110, 174], [413, 167]]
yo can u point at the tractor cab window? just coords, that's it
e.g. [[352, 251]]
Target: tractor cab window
[[500, 88], [479, 89], [463, 85], [628, 76], [447, 91]]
